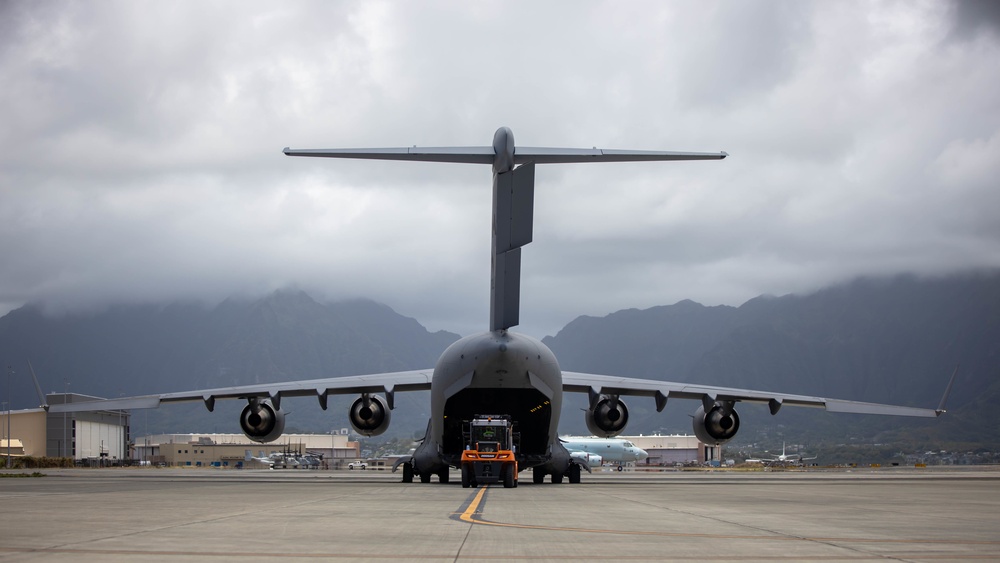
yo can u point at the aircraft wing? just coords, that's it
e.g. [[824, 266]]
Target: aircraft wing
[[661, 391], [387, 383]]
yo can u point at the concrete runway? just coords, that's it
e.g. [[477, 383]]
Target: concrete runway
[[204, 514]]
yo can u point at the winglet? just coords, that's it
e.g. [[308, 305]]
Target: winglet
[[38, 388], [947, 391]]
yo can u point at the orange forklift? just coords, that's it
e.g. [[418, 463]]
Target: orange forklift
[[489, 452]]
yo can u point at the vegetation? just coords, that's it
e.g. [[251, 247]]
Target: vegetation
[[31, 462]]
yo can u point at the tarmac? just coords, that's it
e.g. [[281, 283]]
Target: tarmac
[[149, 514]]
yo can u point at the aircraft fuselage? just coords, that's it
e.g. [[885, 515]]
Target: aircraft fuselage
[[496, 372]]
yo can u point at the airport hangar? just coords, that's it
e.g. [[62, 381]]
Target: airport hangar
[[673, 449], [95, 436]]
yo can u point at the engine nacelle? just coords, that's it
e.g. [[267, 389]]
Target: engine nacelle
[[261, 422], [369, 415], [608, 417], [717, 426], [592, 460]]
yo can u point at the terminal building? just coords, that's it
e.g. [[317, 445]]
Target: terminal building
[[236, 450]]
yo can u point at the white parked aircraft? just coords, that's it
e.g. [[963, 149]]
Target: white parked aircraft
[[609, 449], [499, 371], [787, 458]]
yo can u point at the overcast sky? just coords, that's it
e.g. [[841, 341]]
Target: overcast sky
[[141, 150]]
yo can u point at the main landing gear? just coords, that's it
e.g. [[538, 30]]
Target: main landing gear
[[573, 474], [409, 473]]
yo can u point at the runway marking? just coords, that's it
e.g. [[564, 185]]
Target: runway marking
[[469, 515], [473, 515]]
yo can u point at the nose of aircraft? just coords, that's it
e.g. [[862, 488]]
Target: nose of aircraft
[[641, 454]]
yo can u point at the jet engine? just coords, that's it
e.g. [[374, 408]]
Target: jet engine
[[608, 417], [261, 422], [592, 460], [717, 426], [369, 415]]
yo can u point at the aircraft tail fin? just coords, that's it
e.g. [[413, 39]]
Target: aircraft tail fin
[[513, 217]]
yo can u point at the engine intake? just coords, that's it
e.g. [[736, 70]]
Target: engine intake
[[608, 417], [261, 422], [717, 426], [369, 415]]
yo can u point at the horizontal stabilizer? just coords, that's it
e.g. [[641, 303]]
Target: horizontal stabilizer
[[469, 155], [543, 155], [522, 155]]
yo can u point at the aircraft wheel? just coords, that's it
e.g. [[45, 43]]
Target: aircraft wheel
[[574, 473], [619, 468], [407, 473], [444, 476], [508, 477], [556, 478], [537, 476], [425, 477]]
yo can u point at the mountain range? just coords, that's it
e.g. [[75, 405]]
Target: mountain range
[[892, 340]]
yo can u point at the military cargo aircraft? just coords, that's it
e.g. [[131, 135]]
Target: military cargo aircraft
[[499, 371]]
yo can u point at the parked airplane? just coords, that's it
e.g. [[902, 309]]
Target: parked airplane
[[499, 371], [610, 449], [787, 458]]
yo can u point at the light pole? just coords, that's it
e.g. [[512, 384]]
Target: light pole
[[10, 372], [3, 406], [65, 399]]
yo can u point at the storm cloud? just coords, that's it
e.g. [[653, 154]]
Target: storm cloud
[[142, 146]]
